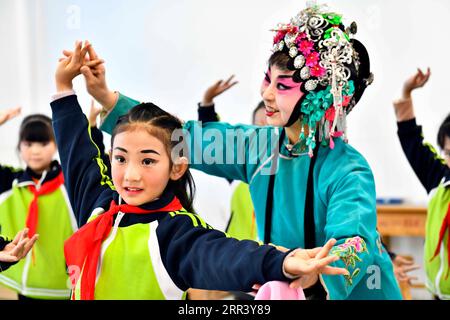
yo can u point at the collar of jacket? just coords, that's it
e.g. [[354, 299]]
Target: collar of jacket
[[28, 174], [447, 179]]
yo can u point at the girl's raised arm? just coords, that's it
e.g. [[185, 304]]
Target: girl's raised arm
[[85, 173]]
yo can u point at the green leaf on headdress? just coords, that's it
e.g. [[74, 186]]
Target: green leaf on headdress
[[333, 18], [327, 33]]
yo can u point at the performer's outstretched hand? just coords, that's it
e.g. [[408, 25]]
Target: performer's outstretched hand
[[309, 263]]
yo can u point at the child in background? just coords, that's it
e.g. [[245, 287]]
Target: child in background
[[433, 171], [36, 198], [138, 237]]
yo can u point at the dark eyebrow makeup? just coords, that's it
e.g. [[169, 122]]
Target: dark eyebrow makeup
[[150, 151], [143, 151], [121, 149]]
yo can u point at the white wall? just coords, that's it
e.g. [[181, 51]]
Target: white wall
[[168, 52]]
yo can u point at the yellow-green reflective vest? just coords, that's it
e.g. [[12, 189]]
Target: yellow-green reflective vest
[[42, 274], [437, 269], [242, 223], [130, 265]]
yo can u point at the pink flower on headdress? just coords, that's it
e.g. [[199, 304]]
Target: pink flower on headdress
[[299, 38], [317, 71], [306, 47], [312, 59], [279, 36]]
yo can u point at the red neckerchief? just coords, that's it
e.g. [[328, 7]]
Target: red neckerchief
[[33, 211]]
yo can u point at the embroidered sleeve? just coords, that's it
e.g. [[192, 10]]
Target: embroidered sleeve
[[348, 252]]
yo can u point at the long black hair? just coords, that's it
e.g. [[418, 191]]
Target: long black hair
[[162, 125]]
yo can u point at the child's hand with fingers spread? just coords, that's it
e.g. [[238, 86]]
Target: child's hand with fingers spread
[[401, 268], [309, 263], [95, 76], [8, 114], [217, 89], [418, 80], [18, 248], [69, 67], [404, 109]]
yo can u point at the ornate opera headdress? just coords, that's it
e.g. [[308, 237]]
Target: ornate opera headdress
[[334, 70]]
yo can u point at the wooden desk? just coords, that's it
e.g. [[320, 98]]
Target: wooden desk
[[401, 220]]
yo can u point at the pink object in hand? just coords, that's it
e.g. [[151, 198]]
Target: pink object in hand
[[278, 290]]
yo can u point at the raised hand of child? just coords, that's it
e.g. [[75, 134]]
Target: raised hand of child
[[418, 80], [309, 263], [404, 109], [216, 89], [8, 114], [69, 66], [18, 248], [95, 77]]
